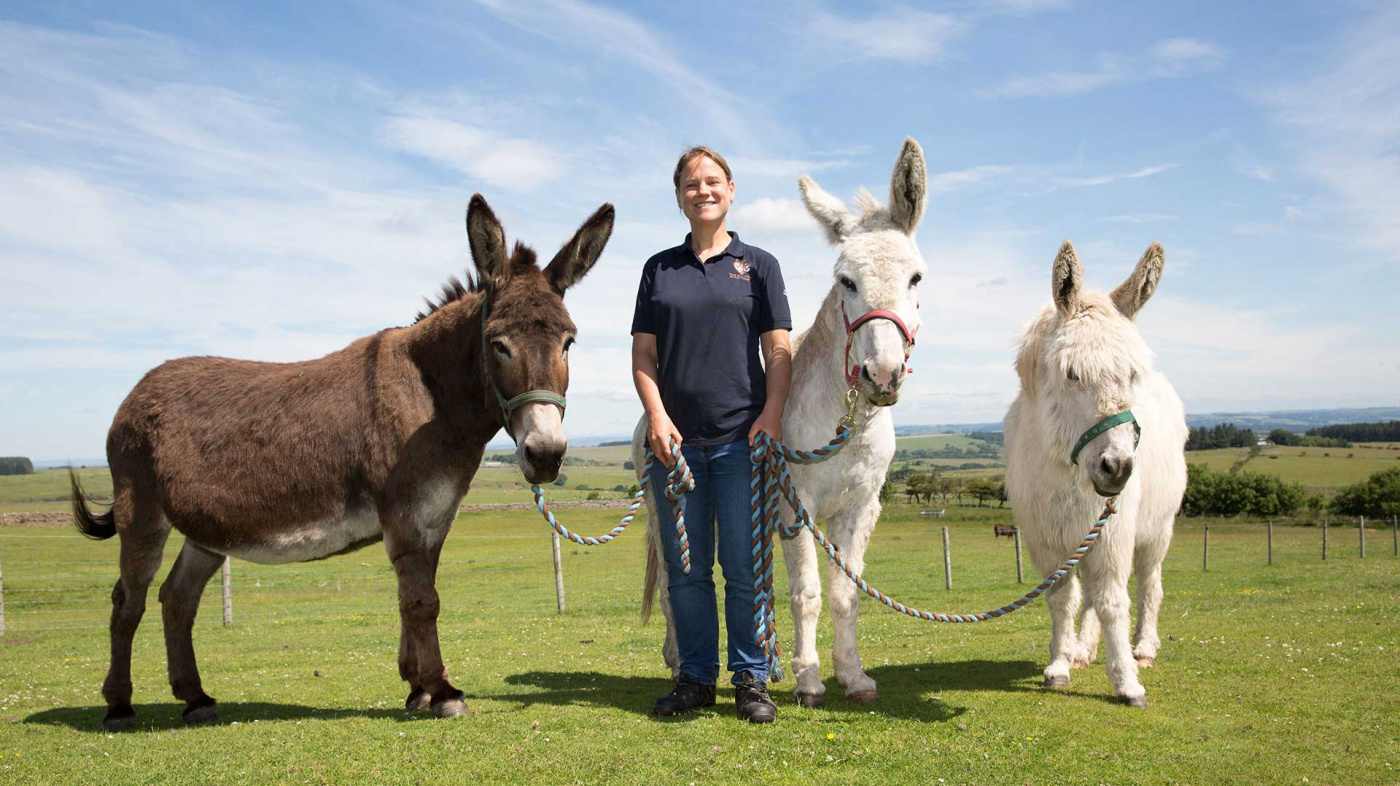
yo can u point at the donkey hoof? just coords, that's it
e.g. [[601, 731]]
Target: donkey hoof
[[812, 701], [449, 708], [418, 701], [1057, 681], [201, 715], [119, 720], [1146, 663], [864, 696], [1135, 701]]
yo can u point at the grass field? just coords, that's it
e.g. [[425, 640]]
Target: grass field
[[1268, 674], [1316, 468]]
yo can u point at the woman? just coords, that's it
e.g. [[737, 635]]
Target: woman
[[704, 310]]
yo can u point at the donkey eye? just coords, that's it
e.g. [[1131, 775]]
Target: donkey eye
[[1133, 378], [848, 284], [1073, 377], [568, 342], [500, 347], [914, 282]]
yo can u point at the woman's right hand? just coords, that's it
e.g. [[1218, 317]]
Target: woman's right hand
[[661, 432]]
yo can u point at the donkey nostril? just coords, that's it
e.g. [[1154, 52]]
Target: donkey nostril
[[1107, 467], [865, 374]]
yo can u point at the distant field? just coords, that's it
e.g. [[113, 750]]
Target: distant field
[[937, 442], [1315, 468], [47, 489]]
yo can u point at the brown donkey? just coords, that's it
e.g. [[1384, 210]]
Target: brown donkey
[[288, 462]]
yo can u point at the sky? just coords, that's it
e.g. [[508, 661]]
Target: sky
[[270, 181]]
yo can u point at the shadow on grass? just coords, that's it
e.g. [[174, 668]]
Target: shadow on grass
[[906, 691], [165, 717]]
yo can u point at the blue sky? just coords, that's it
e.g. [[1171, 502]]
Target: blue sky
[[273, 180]]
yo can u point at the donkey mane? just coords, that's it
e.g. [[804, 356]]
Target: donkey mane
[[454, 290]]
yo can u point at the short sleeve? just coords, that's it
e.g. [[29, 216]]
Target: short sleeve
[[644, 315], [773, 311]]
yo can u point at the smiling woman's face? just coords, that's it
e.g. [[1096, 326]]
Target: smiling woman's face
[[705, 192]]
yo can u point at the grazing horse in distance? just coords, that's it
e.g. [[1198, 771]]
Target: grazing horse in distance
[[1081, 362], [289, 462], [877, 272]]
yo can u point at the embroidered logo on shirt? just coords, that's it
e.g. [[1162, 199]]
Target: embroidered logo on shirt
[[743, 269]]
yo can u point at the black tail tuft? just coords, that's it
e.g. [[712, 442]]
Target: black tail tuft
[[96, 527]]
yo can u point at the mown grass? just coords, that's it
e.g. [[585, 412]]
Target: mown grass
[[1316, 468], [1268, 674]]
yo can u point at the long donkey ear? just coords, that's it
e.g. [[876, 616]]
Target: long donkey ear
[[908, 187], [829, 211], [1130, 295], [578, 255], [1066, 279], [488, 243]]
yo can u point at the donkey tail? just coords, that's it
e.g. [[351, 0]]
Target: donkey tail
[[652, 579], [96, 527]]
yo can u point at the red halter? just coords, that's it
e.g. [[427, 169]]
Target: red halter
[[853, 372]]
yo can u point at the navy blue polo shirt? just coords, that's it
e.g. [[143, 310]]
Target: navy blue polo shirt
[[707, 318]]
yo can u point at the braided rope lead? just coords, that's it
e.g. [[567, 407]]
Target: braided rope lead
[[771, 459], [679, 481]]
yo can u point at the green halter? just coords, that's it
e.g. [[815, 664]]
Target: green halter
[[508, 407], [1104, 425]]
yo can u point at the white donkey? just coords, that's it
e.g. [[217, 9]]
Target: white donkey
[[1081, 362], [877, 271]]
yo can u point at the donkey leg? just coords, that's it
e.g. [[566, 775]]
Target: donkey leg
[[851, 534], [1148, 566], [179, 599], [418, 699], [142, 540], [805, 595], [1107, 589], [415, 564], [1088, 637], [1063, 600]]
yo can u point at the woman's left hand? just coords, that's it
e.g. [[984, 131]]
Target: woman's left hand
[[770, 423]]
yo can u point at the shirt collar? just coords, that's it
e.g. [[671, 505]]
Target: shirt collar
[[736, 247]]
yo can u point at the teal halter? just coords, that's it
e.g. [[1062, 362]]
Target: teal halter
[[1104, 425], [508, 407]]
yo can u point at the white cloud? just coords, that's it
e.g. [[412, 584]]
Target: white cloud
[[1103, 180], [1169, 58], [902, 34], [765, 216], [946, 182], [512, 164], [1344, 114]]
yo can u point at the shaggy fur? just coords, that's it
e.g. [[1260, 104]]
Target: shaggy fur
[[879, 258], [1080, 361], [287, 462]]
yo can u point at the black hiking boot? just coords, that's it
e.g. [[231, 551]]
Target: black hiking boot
[[752, 701], [684, 697]]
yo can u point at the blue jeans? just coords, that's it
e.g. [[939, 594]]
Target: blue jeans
[[721, 494]]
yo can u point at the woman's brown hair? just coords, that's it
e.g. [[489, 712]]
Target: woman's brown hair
[[694, 153]]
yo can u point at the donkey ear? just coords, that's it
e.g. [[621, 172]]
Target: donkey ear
[[1130, 295], [908, 187], [1066, 278], [577, 256], [488, 242], [829, 211]]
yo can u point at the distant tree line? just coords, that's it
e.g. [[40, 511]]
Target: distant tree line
[[983, 450], [1285, 437], [1225, 435], [926, 486], [1387, 431], [1211, 493], [16, 465], [1377, 496], [994, 437]]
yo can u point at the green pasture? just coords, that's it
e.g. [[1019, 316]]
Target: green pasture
[[1268, 673], [938, 442], [1315, 468]]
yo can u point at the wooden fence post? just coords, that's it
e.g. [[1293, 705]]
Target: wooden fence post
[[558, 573], [1271, 541], [1205, 549], [1020, 576], [2, 602], [947, 562], [1394, 544], [1361, 531], [228, 592], [1324, 539]]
